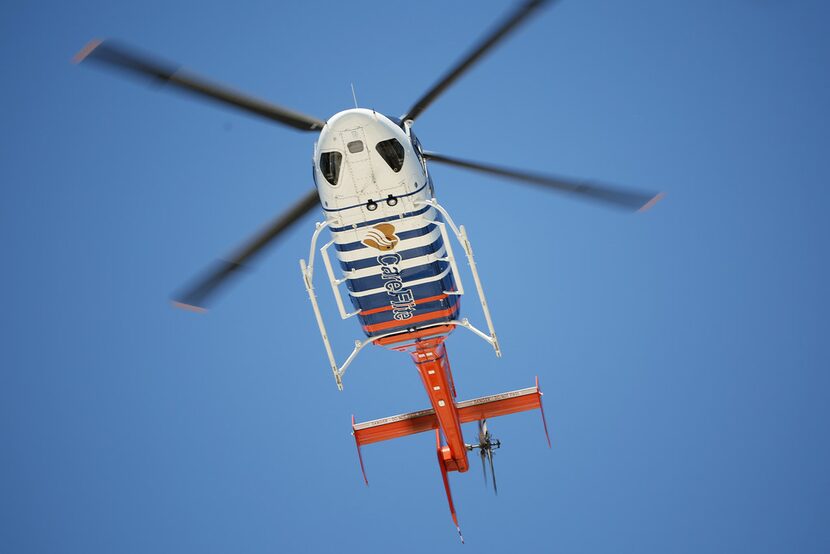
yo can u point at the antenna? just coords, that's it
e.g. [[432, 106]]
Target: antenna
[[354, 96]]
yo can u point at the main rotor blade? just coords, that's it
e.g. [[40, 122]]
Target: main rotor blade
[[113, 54], [617, 196], [195, 297], [482, 48]]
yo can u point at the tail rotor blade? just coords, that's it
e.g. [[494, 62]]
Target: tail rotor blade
[[483, 466], [492, 471]]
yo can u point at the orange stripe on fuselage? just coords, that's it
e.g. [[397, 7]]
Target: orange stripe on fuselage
[[414, 336], [389, 307], [406, 322]]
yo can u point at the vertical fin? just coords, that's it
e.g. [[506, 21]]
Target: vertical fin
[[446, 480], [359, 455], [542, 409]]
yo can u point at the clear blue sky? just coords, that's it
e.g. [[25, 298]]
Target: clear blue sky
[[683, 352]]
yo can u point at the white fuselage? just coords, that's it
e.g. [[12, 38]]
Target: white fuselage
[[373, 185], [364, 175]]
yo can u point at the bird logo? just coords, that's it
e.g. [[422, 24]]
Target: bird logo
[[382, 237]]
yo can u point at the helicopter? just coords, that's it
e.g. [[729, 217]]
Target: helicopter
[[392, 241]]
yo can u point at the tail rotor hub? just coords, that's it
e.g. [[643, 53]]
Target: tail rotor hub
[[486, 445]]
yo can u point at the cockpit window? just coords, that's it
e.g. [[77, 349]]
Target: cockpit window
[[330, 166], [392, 152], [355, 146]]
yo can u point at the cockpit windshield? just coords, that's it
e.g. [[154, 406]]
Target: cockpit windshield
[[330, 166], [392, 153]]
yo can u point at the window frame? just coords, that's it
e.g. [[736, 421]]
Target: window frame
[[338, 164], [399, 153]]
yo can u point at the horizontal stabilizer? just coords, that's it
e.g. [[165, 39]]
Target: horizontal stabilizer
[[469, 410]]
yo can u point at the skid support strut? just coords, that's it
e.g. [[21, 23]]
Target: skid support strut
[[461, 235]]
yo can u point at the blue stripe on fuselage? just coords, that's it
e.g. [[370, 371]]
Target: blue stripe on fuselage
[[381, 220], [409, 254], [424, 290], [409, 274]]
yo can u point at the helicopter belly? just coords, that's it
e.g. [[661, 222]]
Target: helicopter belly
[[397, 274]]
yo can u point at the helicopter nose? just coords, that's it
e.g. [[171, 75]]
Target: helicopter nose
[[352, 132], [351, 119]]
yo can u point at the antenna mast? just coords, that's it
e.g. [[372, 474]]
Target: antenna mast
[[354, 96]]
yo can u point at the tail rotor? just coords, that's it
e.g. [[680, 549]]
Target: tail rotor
[[486, 445]]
